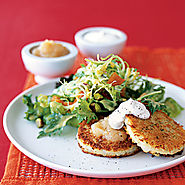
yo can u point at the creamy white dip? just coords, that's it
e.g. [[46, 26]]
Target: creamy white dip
[[100, 37], [117, 118]]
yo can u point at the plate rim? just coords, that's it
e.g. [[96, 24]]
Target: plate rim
[[80, 172]]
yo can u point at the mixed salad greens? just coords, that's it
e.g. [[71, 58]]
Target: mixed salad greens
[[95, 90]]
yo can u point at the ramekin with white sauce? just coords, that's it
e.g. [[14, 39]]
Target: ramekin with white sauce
[[100, 40]]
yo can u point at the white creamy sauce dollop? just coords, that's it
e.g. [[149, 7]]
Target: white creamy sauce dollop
[[117, 118], [100, 37]]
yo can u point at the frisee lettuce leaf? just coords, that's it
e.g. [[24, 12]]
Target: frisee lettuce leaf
[[84, 112], [55, 124]]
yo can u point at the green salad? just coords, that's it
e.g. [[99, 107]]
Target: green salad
[[95, 90]]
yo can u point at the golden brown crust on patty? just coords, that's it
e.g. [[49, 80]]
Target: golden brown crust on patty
[[86, 138], [161, 133], [134, 148]]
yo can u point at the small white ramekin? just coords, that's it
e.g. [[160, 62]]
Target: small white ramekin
[[46, 69], [91, 49]]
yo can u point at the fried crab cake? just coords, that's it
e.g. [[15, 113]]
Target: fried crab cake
[[157, 135], [101, 140]]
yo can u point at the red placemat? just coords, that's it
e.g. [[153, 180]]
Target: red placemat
[[167, 64]]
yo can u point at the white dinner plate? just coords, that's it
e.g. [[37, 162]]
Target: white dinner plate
[[63, 153]]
